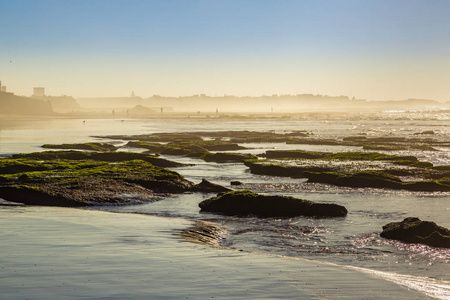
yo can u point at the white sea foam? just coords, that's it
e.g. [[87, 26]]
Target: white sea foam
[[438, 289]]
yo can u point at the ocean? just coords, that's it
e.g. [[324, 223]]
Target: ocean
[[352, 241]]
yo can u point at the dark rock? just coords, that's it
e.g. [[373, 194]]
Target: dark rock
[[208, 187], [356, 180], [427, 132], [23, 178], [375, 180], [282, 171], [292, 154], [87, 182], [227, 157], [236, 183], [84, 192], [244, 203], [413, 230]]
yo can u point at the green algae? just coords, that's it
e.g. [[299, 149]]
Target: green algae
[[99, 156], [367, 156], [53, 178], [355, 169], [59, 170]]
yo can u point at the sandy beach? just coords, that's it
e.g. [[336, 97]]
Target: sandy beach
[[63, 253]]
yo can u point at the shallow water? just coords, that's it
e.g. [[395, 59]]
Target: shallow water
[[353, 240], [62, 253]]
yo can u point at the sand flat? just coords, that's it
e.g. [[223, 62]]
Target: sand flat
[[64, 253]]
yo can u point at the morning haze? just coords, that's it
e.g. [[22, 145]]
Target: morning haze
[[257, 149], [374, 50]]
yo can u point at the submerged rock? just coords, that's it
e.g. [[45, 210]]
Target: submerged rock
[[429, 132], [414, 230], [244, 203], [204, 232]]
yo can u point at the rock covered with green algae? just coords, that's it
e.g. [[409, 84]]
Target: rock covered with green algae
[[245, 203], [99, 156], [81, 182], [355, 169], [414, 230]]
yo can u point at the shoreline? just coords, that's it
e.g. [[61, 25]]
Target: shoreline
[[78, 253]]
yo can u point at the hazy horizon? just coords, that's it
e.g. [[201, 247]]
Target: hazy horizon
[[374, 50]]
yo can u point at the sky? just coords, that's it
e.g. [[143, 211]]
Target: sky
[[368, 49]]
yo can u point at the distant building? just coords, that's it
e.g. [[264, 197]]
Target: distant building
[[2, 88], [38, 92]]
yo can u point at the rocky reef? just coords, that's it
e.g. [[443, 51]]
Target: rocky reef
[[73, 178], [354, 169], [221, 157], [414, 230], [245, 203], [99, 156]]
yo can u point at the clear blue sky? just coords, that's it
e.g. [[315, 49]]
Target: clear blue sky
[[376, 50]]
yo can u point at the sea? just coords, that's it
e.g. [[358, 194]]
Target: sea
[[352, 241]]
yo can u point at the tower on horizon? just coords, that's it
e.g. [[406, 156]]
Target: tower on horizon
[[38, 92], [2, 88]]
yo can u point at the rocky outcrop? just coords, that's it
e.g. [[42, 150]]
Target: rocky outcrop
[[227, 157], [292, 154], [376, 180], [64, 182], [100, 156], [245, 203], [414, 230], [76, 193], [74, 178], [282, 171], [208, 187]]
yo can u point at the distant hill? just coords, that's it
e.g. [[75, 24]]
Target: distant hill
[[110, 102], [283, 103], [61, 104], [11, 104]]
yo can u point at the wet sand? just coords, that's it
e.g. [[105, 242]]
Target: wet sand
[[63, 253]]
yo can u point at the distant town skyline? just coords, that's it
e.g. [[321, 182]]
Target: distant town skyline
[[374, 50]]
